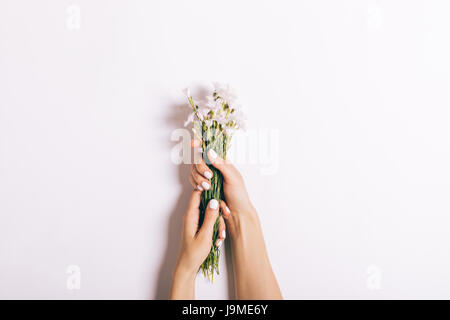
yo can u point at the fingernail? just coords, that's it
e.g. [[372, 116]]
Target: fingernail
[[224, 234], [199, 188], [227, 209], [208, 175], [212, 154], [205, 185], [214, 204], [218, 243]]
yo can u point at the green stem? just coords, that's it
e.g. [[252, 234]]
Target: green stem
[[219, 145]]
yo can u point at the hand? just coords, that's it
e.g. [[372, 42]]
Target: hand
[[195, 245], [234, 189], [254, 277]]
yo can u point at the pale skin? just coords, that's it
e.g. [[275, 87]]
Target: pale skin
[[253, 274]]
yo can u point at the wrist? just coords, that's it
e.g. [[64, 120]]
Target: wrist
[[183, 283], [246, 229], [184, 271], [247, 219]]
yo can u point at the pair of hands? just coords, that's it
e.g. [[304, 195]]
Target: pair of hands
[[196, 243], [241, 221]]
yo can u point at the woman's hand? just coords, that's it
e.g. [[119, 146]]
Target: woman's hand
[[234, 188], [195, 245], [254, 277]]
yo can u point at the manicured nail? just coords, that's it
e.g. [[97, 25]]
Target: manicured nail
[[199, 188], [208, 175], [214, 204], [205, 185], [227, 209], [218, 243], [212, 154], [224, 234]]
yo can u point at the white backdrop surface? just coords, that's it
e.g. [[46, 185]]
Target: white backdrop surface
[[356, 92]]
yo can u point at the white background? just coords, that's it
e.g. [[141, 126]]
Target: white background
[[358, 92]]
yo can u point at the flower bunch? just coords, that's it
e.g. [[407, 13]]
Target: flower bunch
[[215, 119]]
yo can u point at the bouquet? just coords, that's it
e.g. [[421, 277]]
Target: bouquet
[[215, 119]]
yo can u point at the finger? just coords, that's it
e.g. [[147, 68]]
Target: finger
[[211, 214], [199, 163], [197, 151], [226, 213], [196, 143], [201, 182], [221, 230], [192, 214], [191, 180], [202, 169], [218, 243], [194, 184], [228, 171]]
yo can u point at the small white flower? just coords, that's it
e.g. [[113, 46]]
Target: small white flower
[[208, 123], [189, 120], [203, 113], [225, 92], [186, 92], [212, 103], [229, 131], [238, 117]]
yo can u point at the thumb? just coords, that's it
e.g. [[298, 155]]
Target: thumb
[[228, 171], [211, 214]]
